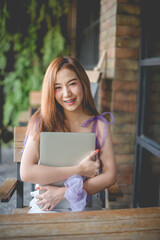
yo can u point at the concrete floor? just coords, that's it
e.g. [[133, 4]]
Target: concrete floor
[[8, 170]]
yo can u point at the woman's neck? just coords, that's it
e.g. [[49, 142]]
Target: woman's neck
[[74, 116], [75, 119]]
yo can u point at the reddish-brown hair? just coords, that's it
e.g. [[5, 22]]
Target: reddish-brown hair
[[50, 116]]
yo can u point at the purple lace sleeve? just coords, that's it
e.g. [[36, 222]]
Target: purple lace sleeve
[[26, 136], [75, 193], [24, 143], [95, 128]]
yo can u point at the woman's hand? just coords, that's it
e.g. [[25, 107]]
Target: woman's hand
[[88, 166], [51, 197]]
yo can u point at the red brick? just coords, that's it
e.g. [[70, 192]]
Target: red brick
[[128, 86], [127, 42], [125, 179], [104, 84], [105, 103], [121, 118], [125, 96], [123, 138], [128, 1], [126, 189], [125, 158], [120, 205], [127, 20], [104, 108], [124, 128], [127, 53], [126, 75], [126, 169], [128, 31], [130, 64], [125, 107], [129, 9], [102, 93], [125, 200], [155, 98], [124, 148]]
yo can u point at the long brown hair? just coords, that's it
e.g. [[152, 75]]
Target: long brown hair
[[50, 116]]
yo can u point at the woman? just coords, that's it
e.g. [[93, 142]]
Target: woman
[[67, 105]]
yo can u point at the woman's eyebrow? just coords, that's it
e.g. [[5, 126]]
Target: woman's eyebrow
[[73, 79]]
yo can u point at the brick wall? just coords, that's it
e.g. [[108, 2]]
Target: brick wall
[[119, 35]]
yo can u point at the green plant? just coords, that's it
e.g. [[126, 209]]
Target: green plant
[[31, 49]]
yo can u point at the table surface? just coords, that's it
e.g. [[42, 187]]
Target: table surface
[[137, 223]]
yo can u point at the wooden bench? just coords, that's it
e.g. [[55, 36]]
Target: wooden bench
[[139, 224], [11, 185]]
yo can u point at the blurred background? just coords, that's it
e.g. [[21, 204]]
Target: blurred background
[[33, 33]]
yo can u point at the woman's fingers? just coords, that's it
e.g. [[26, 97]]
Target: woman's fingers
[[51, 208], [93, 154], [41, 202], [45, 207], [89, 166], [50, 198], [98, 162]]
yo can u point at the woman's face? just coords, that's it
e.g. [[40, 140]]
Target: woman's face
[[68, 90]]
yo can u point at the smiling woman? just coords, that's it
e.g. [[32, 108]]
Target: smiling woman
[[67, 105], [69, 90]]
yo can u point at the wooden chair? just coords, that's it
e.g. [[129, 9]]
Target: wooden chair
[[11, 185], [34, 103]]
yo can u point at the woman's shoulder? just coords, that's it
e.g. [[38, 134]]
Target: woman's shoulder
[[103, 130], [34, 124], [102, 119]]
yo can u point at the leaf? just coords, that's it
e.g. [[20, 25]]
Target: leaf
[[31, 50], [54, 44]]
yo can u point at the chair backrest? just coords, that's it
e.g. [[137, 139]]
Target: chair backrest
[[94, 75], [35, 98], [19, 136]]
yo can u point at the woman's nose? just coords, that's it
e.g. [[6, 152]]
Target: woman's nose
[[66, 92]]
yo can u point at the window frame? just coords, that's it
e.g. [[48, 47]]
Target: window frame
[[142, 141]]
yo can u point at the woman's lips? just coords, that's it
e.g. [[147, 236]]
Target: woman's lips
[[71, 101]]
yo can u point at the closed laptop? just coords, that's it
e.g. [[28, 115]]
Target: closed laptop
[[64, 149]]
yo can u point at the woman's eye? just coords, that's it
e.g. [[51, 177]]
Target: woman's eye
[[57, 88], [73, 83]]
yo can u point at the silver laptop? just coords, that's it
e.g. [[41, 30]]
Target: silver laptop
[[63, 149]]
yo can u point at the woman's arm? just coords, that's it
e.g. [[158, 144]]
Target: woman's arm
[[108, 175], [30, 171]]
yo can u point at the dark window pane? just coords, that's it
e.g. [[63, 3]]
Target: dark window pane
[[152, 114], [151, 36], [150, 180], [88, 32]]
